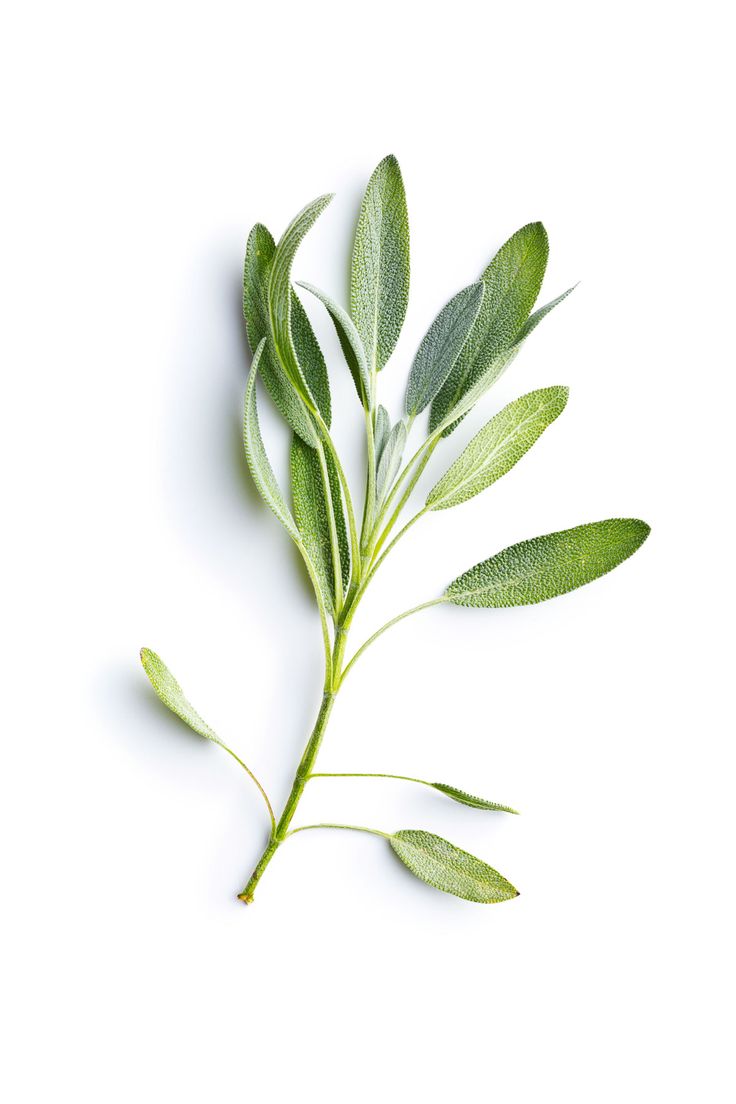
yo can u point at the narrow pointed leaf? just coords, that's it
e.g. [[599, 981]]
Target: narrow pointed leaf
[[350, 342], [312, 518], [440, 864], [379, 285], [381, 432], [441, 347], [499, 445], [172, 695], [512, 281], [390, 461], [545, 567], [468, 799], [311, 359], [255, 452], [534, 319]]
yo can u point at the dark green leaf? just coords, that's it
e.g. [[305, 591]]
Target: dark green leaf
[[312, 518], [440, 864], [350, 342], [441, 347]]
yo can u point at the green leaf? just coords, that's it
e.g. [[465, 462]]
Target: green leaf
[[388, 465], [172, 695], [312, 518], [534, 319], [379, 285], [381, 431], [468, 799], [350, 342], [498, 446], [440, 864], [512, 281], [258, 462], [310, 358], [544, 567], [441, 347]]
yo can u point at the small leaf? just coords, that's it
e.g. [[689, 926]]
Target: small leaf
[[258, 462], [467, 799], [312, 518], [172, 695], [441, 347], [379, 285], [381, 431], [388, 465], [498, 446], [545, 567], [534, 319], [440, 864], [350, 342]]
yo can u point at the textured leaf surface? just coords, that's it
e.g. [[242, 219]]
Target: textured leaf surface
[[534, 319], [255, 452], [498, 446], [381, 431], [390, 461], [444, 866], [512, 281], [311, 513], [544, 567], [172, 695], [468, 799], [350, 342], [441, 347], [379, 285]]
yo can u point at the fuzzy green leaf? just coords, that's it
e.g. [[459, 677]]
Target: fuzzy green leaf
[[172, 695], [441, 347], [545, 567], [381, 431], [468, 799], [534, 319], [350, 342], [498, 446], [258, 462], [312, 518], [512, 281], [390, 461], [379, 285], [440, 864]]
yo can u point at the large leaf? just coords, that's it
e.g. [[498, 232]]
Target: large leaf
[[444, 866], [498, 446], [468, 799], [172, 695], [512, 281], [390, 460], [258, 462], [312, 518], [350, 342], [379, 285], [544, 567], [441, 347]]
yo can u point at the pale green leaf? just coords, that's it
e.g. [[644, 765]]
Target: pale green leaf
[[388, 465], [258, 462], [544, 567], [534, 319], [441, 347], [312, 518], [379, 285], [381, 431], [498, 446], [468, 799], [440, 864], [172, 695], [350, 342]]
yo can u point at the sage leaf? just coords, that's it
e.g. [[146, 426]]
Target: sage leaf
[[172, 695], [381, 431], [441, 347], [379, 284], [255, 453], [388, 465], [350, 342], [534, 319], [512, 281], [311, 511], [545, 567], [468, 799], [442, 865], [498, 446]]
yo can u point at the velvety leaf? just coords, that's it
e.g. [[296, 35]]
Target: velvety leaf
[[172, 695], [381, 431], [441, 347], [312, 518], [350, 342], [440, 864], [498, 446], [468, 799], [258, 462], [534, 319], [512, 281], [388, 465], [379, 285], [544, 567], [310, 358]]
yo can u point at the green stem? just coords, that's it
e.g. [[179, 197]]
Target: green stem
[[251, 775], [322, 613], [370, 495], [363, 774], [354, 539], [377, 563], [429, 449], [385, 628], [349, 827]]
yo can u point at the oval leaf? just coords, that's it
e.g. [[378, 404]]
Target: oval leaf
[[312, 517], [544, 567], [350, 342], [379, 283], [440, 864], [172, 695], [499, 445], [468, 799], [441, 347]]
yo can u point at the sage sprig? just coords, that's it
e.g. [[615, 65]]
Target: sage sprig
[[474, 338]]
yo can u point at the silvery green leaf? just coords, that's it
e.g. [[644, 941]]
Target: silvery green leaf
[[381, 431], [350, 342], [468, 799], [467, 401], [258, 462], [498, 446], [390, 461], [440, 864], [258, 256], [172, 695], [544, 567], [281, 297], [512, 281], [312, 518], [310, 358], [441, 347], [379, 284], [534, 319]]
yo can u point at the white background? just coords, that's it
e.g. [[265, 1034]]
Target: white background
[[141, 142]]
